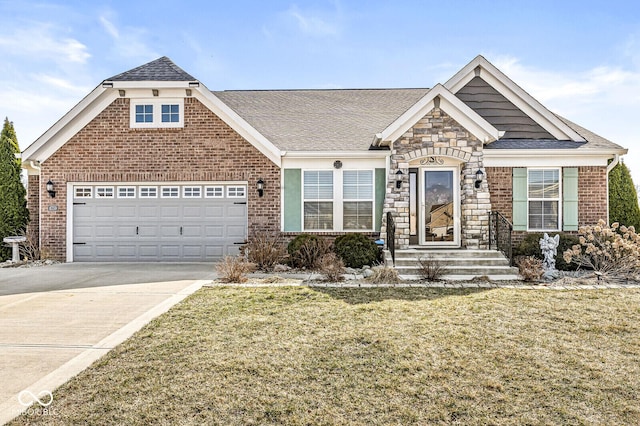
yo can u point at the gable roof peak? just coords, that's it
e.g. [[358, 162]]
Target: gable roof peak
[[161, 69]]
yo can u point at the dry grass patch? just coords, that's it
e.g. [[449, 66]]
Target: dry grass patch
[[295, 355]]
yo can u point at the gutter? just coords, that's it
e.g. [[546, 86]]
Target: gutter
[[616, 160]]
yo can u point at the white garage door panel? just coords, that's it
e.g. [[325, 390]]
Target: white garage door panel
[[157, 229]]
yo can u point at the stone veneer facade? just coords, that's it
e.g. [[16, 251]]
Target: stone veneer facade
[[439, 135], [109, 150]]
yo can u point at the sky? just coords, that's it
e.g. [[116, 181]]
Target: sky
[[581, 59]]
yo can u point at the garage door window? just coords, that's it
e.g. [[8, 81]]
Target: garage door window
[[127, 192], [148, 192], [214, 192], [104, 192], [170, 192], [83, 192], [235, 192], [192, 192]]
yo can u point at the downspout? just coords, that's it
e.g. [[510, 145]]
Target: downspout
[[37, 167], [614, 162]]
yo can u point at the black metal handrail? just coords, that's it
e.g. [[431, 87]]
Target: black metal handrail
[[391, 235], [500, 230]]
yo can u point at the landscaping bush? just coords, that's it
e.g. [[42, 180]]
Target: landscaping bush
[[530, 246], [306, 251], [234, 269], [384, 275], [332, 267], [357, 250], [612, 251], [430, 269], [529, 267], [265, 249]]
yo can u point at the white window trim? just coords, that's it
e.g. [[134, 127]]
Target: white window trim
[[148, 196], [215, 189], [244, 188], [184, 191], [559, 199], [171, 190], [337, 210], [127, 189], [105, 190], [157, 113], [76, 188], [346, 200]]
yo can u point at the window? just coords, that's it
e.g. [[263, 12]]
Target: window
[[318, 200], [156, 113], [170, 113], [235, 192], [214, 192], [543, 186], [104, 192], [148, 192], [144, 113], [192, 192], [83, 192], [357, 194], [126, 192], [170, 192]]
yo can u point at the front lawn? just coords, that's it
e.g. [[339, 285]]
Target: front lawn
[[297, 355]]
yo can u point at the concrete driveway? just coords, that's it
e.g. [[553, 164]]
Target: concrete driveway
[[56, 320]]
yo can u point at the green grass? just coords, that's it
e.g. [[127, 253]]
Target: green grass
[[295, 355]]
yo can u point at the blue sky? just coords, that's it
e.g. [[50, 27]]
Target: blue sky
[[581, 59]]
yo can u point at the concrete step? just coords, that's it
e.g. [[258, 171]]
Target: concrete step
[[470, 271], [462, 261], [447, 253]]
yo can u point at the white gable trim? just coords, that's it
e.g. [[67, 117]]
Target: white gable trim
[[238, 124], [70, 124], [514, 93], [449, 103]]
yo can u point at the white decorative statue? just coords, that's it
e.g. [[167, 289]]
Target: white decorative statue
[[549, 247]]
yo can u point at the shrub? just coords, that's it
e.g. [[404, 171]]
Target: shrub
[[332, 267], [307, 251], [234, 269], [430, 269], [609, 250], [384, 275], [30, 249], [623, 198], [357, 250], [530, 246], [265, 249], [529, 267]]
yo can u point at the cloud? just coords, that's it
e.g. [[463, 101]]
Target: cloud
[[313, 24], [127, 42], [40, 40]]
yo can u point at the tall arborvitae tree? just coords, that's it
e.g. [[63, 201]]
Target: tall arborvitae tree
[[13, 202], [623, 199]]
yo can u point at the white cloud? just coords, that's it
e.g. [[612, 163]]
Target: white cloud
[[109, 27], [312, 23], [128, 42], [41, 40]]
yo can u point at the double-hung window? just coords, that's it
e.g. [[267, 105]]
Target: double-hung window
[[543, 186], [318, 200], [357, 194]]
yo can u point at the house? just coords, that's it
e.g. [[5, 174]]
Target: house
[[153, 166]]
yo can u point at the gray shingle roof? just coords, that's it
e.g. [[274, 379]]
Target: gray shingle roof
[[321, 120], [533, 144], [594, 141], [162, 69]]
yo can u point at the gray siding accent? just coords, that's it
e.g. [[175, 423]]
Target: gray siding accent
[[500, 112]]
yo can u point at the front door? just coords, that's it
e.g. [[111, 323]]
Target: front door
[[440, 207]]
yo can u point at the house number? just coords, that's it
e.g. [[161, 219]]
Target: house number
[[430, 161], [53, 208]]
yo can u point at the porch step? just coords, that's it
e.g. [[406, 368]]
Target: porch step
[[456, 263]]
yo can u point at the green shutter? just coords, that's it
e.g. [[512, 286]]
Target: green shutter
[[293, 200], [570, 199], [381, 190], [520, 199]]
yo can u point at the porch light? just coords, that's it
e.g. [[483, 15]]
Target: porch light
[[50, 190], [399, 179], [479, 178], [260, 187]]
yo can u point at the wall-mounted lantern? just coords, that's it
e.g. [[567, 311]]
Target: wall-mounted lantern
[[50, 190], [260, 187], [479, 178], [399, 179]]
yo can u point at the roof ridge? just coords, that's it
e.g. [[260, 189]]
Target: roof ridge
[[161, 69]]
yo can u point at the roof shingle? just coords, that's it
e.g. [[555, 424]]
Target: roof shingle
[[162, 69]]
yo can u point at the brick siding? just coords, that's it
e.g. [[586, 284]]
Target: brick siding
[[108, 150]]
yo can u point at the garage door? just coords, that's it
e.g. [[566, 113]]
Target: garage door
[[182, 222]]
